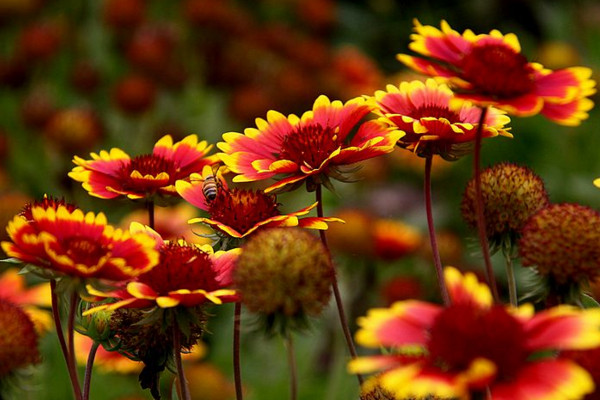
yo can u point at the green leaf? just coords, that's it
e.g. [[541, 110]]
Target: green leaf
[[588, 301]]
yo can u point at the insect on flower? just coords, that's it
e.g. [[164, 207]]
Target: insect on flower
[[211, 184]]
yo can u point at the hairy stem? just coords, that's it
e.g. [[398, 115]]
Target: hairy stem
[[335, 287], [510, 275], [71, 367], [87, 380], [485, 248], [289, 344], [150, 207], [434, 247], [183, 384], [237, 370]]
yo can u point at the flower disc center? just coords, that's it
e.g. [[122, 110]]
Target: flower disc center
[[180, 267], [149, 164], [435, 111], [310, 145], [497, 70], [242, 209], [83, 250], [462, 333]]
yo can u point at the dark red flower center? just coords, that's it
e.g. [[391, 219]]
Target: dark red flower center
[[148, 164], [462, 333], [497, 70], [84, 250], [310, 145], [46, 203], [241, 209], [181, 267], [435, 111]]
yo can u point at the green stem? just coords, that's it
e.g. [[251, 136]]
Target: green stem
[[183, 385], [71, 368], [335, 287], [437, 261], [510, 275], [485, 248], [237, 371], [87, 380], [289, 344]]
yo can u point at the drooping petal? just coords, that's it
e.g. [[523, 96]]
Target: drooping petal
[[545, 380], [564, 327]]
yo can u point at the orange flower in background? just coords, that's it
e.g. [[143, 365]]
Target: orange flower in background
[[186, 275], [32, 300], [394, 240], [61, 238], [489, 69], [432, 122], [18, 339], [113, 173], [105, 361], [312, 147], [461, 350], [240, 212]]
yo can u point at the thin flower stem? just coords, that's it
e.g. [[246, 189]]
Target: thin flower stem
[[70, 331], [183, 385], [150, 206], [335, 286], [63, 344], [437, 261], [510, 275], [479, 208], [289, 344], [87, 380], [237, 371]]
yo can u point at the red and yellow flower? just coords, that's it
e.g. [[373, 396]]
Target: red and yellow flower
[[187, 275], [312, 147], [241, 212], [32, 300], [489, 69], [114, 173], [61, 238], [473, 345], [432, 120]]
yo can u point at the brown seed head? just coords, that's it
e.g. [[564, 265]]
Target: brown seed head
[[563, 242], [285, 271], [511, 194]]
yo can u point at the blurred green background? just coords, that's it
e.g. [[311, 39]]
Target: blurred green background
[[81, 76]]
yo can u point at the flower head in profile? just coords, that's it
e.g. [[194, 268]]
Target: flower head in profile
[[63, 240], [187, 275], [432, 121], [240, 212], [114, 173], [311, 148], [489, 69], [473, 346]]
